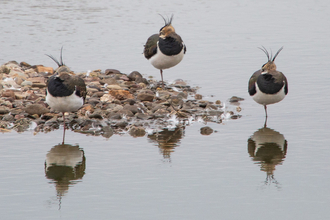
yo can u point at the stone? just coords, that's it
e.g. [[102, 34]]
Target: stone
[[206, 130], [4, 110], [235, 99], [25, 64], [111, 71], [8, 117], [203, 104], [19, 95], [48, 116], [114, 115], [182, 95], [8, 93], [96, 116], [218, 102], [121, 94], [133, 108], [133, 76], [179, 83], [9, 83], [145, 97], [92, 90], [126, 113], [98, 94], [124, 77], [4, 69], [176, 102], [161, 112], [107, 131], [217, 113], [36, 109], [39, 85], [41, 68], [32, 97], [114, 87], [18, 80], [137, 131], [26, 83], [142, 116], [198, 97], [87, 108], [109, 81], [93, 101], [121, 124], [107, 98]]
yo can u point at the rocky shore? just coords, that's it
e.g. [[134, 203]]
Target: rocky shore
[[116, 103]]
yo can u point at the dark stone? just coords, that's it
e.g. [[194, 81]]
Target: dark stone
[[32, 97], [8, 93], [157, 107], [115, 116], [129, 101], [142, 116], [206, 130], [4, 110], [198, 96], [202, 104], [235, 99], [109, 81], [133, 76], [107, 131], [8, 118], [98, 94], [137, 131], [133, 108], [121, 124], [96, 115], [93, 101], [217, 113], [145, 97], [36, 109], [111, 71]]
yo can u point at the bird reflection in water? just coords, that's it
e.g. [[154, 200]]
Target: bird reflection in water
[[64, 166], [167, 140], [268, 148]]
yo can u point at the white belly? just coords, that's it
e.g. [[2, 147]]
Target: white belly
[[64, 104], [161, 61], [266, 99]]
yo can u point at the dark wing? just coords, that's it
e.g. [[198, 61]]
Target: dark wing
[[171, 45], [271, 82], [252, 82], [150, 48], [57, 87]]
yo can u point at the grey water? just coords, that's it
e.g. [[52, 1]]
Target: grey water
[[241, 171]]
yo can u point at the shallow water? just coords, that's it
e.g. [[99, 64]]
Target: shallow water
[[177, 173]]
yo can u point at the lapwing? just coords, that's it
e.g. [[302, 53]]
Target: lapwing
[[267, 85], [65, 92], [165, 49]]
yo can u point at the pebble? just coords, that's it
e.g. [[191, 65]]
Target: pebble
[[36, 109], [145, 97], [235, 99], [137, 131], [206, 130]]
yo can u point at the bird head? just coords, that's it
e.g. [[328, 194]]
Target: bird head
[[270, 65], [167, 29]]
